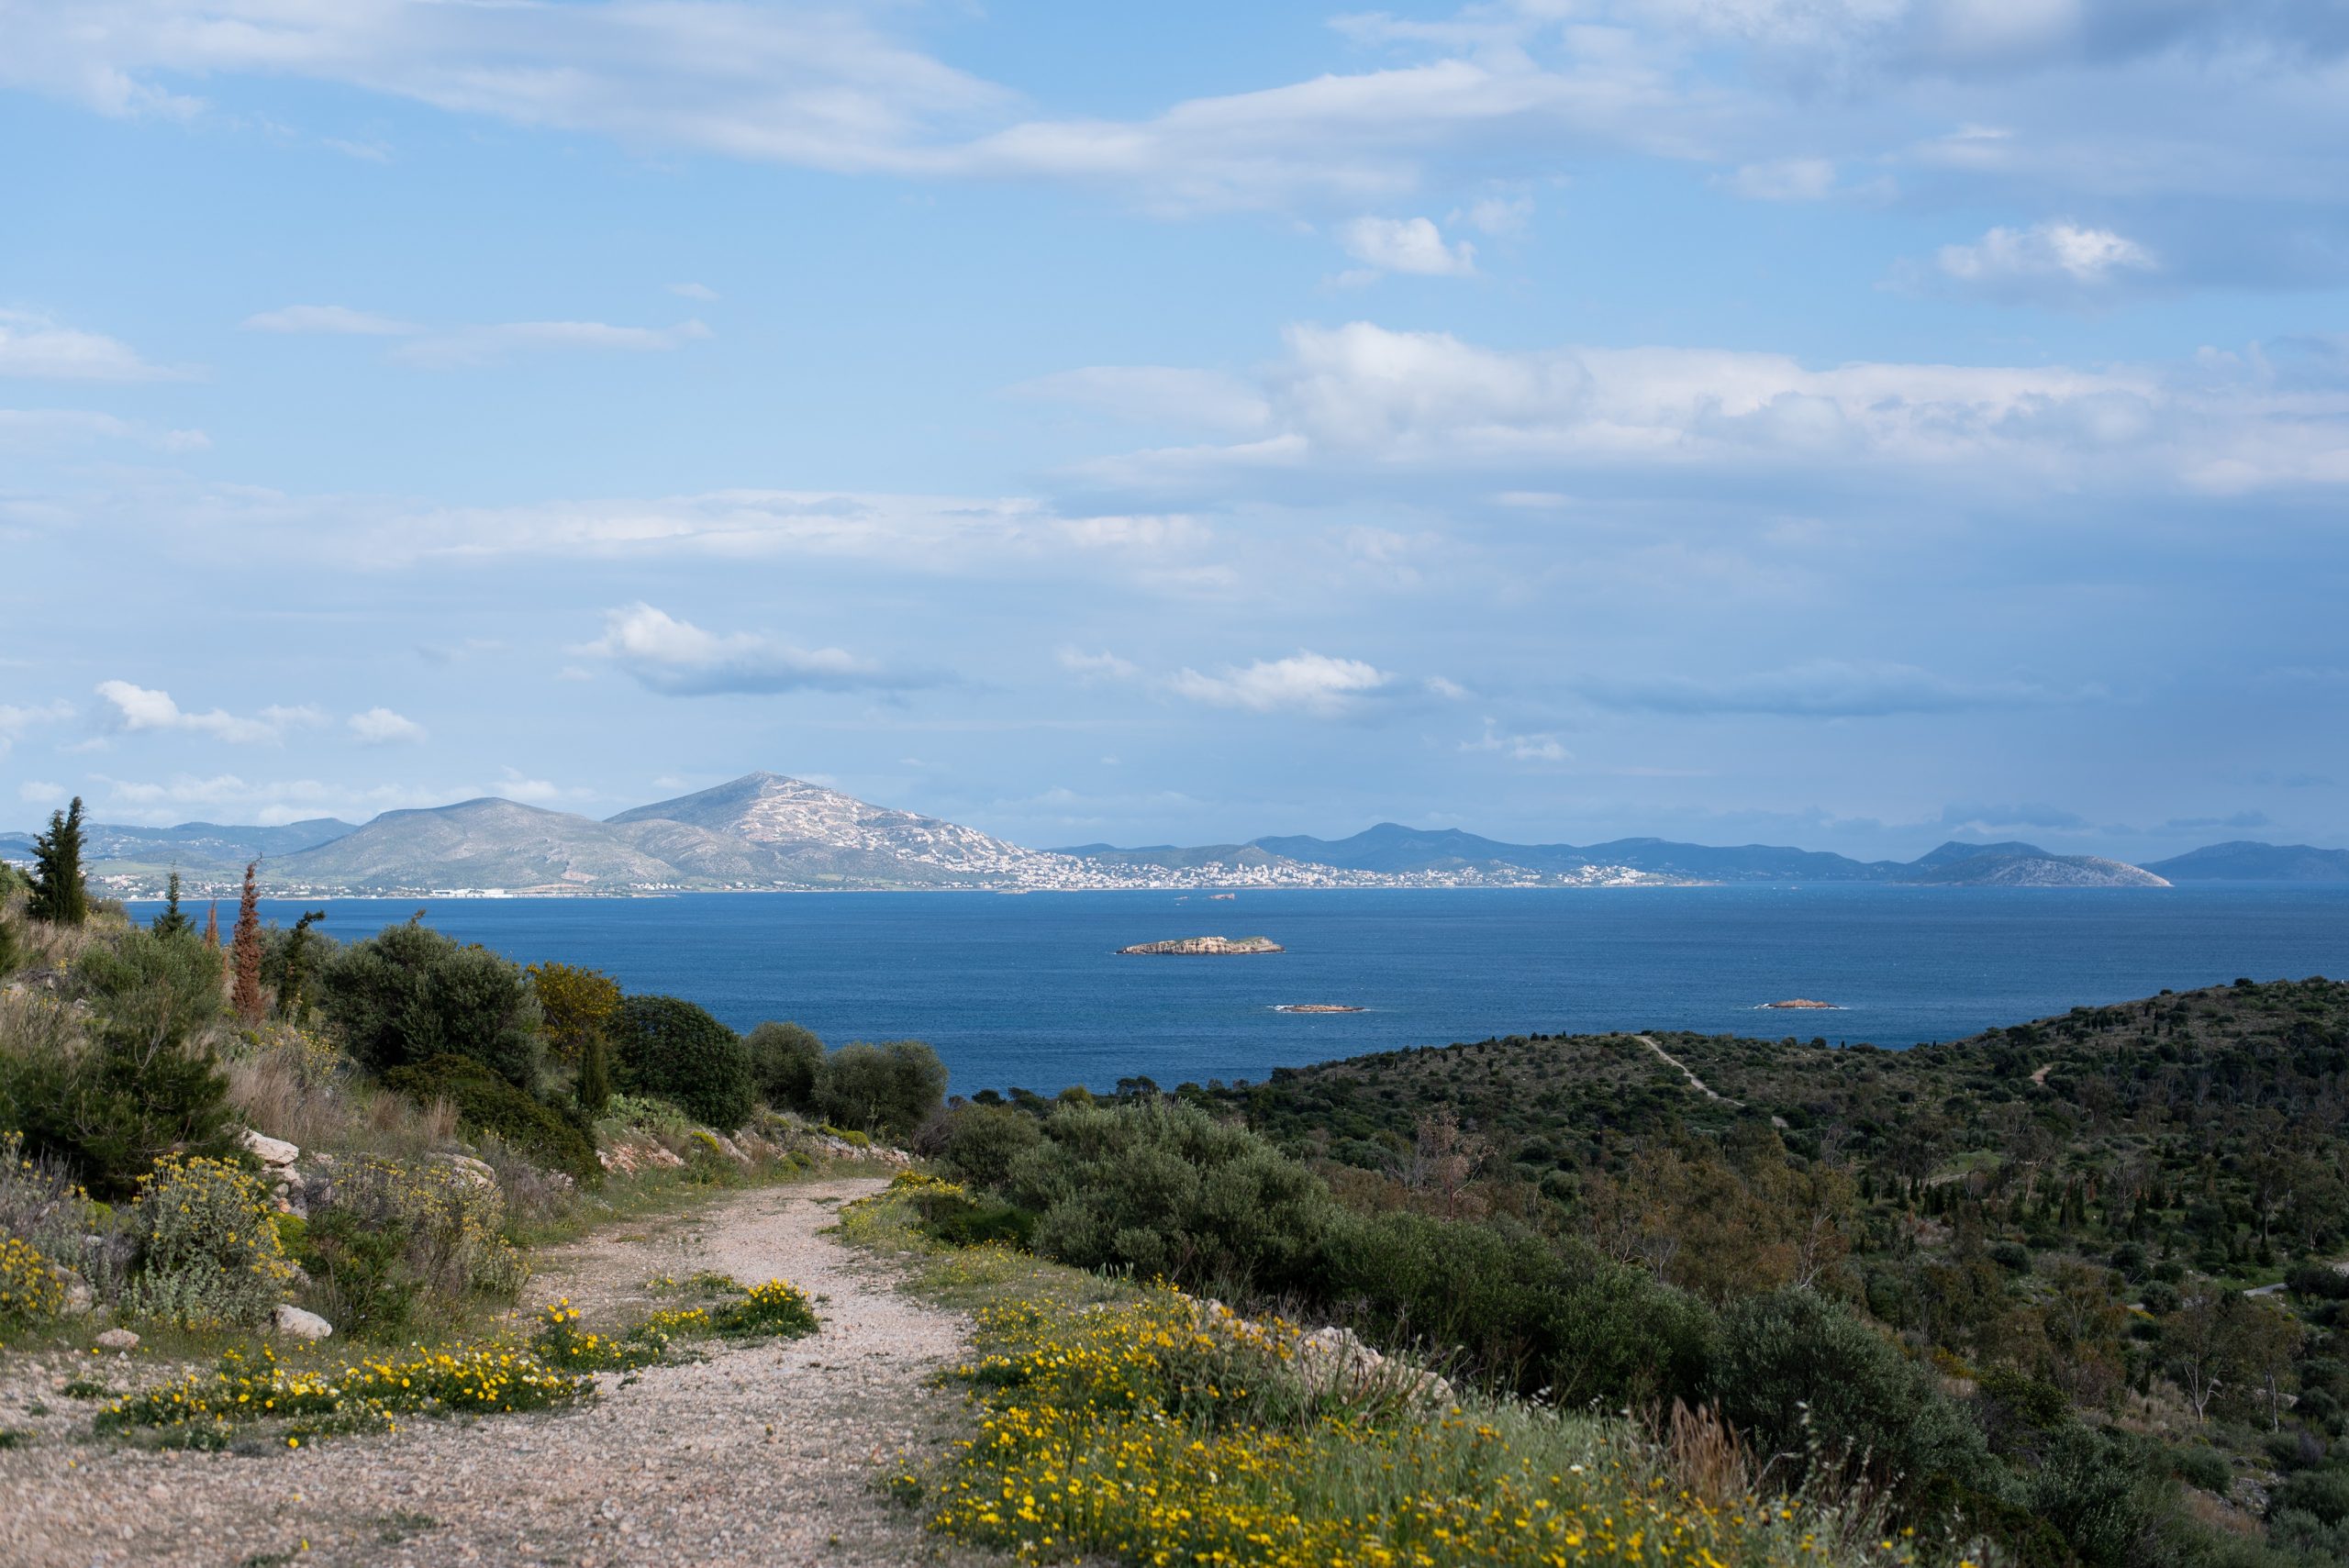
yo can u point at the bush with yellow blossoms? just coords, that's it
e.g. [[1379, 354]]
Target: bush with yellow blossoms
[[210, 1253]]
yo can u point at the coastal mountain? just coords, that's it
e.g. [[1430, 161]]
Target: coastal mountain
[[766, 831], [1393, 850], [2245, 861], [825, 835]]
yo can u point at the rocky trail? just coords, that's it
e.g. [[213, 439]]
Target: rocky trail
[[767, 1453], [1694, 1082]]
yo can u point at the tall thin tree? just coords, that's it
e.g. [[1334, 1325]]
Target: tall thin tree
[[60, 897], [212, 925], [172, 922], [244, 994]]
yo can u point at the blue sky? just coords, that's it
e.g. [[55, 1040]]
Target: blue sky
[[1847, 422]]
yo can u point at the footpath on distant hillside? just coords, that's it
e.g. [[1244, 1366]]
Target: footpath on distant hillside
[[765, 1454]]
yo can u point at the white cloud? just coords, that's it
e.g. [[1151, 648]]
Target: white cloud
[[469, 346], [381, 726], [694, 291], [1825, 688], [1406, 245], [138, 708], [681, 659], [328, 318], [2006, 261], [1362, 403], [452, 348], [1534, 748], [33, 346], [1104, 665], [17, 718], [1785, 180], [39, 429], [1303, 682], [1497, 215]]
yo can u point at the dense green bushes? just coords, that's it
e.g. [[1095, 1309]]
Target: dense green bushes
[[887, 1089], [208, 1252], [783, 1060], [672, 1048], [487, 1103], [979, 1143], [109, 1094], [409, 994]]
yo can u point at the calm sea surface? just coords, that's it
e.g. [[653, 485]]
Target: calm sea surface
[[1028, 989]]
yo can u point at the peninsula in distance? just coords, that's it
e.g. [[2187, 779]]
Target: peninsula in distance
[[765, 832]]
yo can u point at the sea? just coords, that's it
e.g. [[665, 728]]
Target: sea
[[1029, 990]]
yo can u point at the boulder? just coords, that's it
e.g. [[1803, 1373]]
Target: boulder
[[271, 1152], [79, 1297], [296, 1324], [474, 1171], [121, 1339]]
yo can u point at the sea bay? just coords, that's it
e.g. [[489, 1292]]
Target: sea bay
[[1029, 990]]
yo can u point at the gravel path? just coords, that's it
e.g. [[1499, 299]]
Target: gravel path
[[764, 1455]]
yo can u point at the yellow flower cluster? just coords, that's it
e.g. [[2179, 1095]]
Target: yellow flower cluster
[[365, 1396], [560, 1343], [29, 1288], [1097, 1438], [777, 1307], [210, 1254]]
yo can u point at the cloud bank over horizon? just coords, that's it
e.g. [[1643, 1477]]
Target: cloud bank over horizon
[[1770, 420]]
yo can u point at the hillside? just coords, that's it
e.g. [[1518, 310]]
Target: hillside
[[2023, 865], [2244, 862]]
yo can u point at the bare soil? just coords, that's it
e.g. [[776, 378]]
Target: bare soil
[[766, 1454]]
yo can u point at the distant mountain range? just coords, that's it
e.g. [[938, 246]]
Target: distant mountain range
[[764, 832], [1393, 850]]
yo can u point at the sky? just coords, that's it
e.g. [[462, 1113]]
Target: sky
[[1849, 423]]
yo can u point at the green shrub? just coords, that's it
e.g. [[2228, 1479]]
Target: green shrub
[[409, 994], [784, 1059], [979, 1143], [2203, 1466], [106, 1097], [1525, 1313], [29, 1288], [1794, 1369], [208, 1250], [2323, 1493], [2102, 1491], [672, 1048], [1165, 1189], [398, 1234], [888, 1090], [487, 1103]]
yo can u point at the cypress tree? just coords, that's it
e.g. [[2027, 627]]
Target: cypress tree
[[594, 1074], [245, 993], [58, 895], [171, 922]]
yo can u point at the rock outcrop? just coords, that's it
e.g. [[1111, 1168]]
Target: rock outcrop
[[1207, 947]]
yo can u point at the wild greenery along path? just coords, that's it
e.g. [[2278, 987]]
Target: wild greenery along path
[[765, 1454]]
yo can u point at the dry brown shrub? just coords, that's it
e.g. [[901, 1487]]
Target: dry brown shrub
[[1706, 1453]]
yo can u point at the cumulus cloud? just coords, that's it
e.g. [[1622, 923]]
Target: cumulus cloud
[[138, 708], [1825, 688], [2027, 261], [381, 726], [1304, 682], [1412, 245], [1534, 748], [36, 347], [680, 659]]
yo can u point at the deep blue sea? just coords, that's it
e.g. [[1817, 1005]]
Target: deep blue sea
[[1027, 990]]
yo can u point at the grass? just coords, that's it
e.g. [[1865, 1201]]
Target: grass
[[1118, 1422]]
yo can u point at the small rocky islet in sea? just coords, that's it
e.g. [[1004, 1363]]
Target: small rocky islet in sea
[[1207, 947], [1314, 1007], [1803, 1003]]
